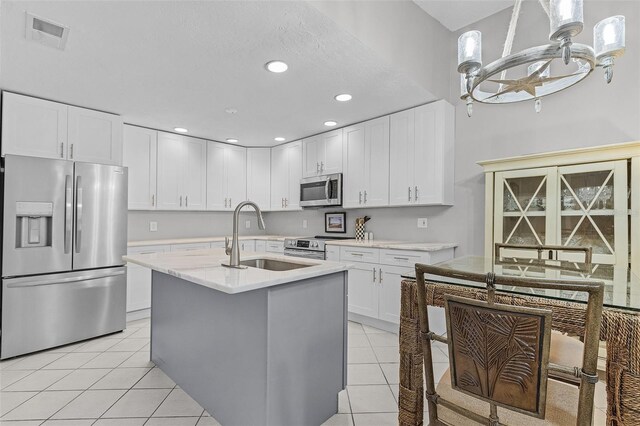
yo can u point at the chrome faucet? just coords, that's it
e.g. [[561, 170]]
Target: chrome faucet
[[234, 250]]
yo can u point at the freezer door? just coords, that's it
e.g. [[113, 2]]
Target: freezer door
[[52, 310], [100, 227], [37, 215]]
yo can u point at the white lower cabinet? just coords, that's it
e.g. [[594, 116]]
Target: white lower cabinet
[[275, 247], [261, 246], [247, 245], [139, 279], [375, 280]]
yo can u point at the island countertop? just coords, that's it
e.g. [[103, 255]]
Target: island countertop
[[204, 267]]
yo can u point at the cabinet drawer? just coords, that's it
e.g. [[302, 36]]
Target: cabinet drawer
[[357, 254], [275, 246], [193, 246], [148, 249], [403, 257]]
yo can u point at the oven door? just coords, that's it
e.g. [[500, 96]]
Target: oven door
[[321, 191], [308, 254]]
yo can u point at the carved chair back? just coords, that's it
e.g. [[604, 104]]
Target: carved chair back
[[500, 353]]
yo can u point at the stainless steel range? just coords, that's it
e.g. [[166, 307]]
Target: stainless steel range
[[308, 247]]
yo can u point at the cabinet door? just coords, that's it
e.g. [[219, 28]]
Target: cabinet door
[[235, 166], [525, 208], [389, 298], [94, 137], [376, 186], [261, 246], [248, 245], [294, 159], [216, 187], [33, 127], [401, 164], [259, 177], [139, 154], [195, 174], [593, 203], [363, 289], [170, 159], [139, 280], [279, 177], [331, 152], [354, 166], [310, 158]]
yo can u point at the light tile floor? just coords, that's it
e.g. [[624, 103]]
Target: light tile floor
[[109, 381]]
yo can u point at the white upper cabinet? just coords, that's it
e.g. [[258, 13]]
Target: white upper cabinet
[[140, 148], [286, 172], [181, 172], [226, 176], [366, 165], [422, 155], [39, 128], [33, 127], [259, 177], [94, 137], [322, 154]]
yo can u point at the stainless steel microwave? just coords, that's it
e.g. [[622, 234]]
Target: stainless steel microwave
[[321, 191]]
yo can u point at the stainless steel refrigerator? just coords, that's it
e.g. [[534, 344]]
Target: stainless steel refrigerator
[[64, 234]]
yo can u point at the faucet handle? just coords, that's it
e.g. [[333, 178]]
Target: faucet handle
[[227, 247]]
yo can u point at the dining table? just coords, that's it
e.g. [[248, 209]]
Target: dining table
[[620, 328]]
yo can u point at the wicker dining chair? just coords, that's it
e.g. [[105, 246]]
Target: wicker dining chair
[[544, 254], [499, 357]]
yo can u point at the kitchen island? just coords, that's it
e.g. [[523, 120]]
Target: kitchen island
[[265, 345]]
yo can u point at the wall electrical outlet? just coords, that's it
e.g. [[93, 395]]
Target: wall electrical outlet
[[153, 226], [422, 222], [304, 223], [247, 224]]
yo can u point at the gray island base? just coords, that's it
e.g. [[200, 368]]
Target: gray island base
[[270, 356]]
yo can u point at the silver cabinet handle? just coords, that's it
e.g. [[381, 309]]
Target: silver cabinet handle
[[357, 254], [61, 149], [365, 197], [229, 202], [409, 194], [321, 166], [68, 215], [317, 168], [78, 214], [186, 201], [380, 279], [225, 202], [359, 197], [71, 147], [286, 203], [374, 275], [153, 199], [415, 193], [282, 202], [401, 258], [181, 201]]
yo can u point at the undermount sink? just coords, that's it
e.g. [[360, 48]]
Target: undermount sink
[[272, 265]]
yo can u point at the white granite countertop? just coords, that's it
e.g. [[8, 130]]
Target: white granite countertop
[[169, 241], [204, 267], [390, 244]]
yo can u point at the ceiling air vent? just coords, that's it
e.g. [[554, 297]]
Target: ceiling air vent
[[46, 32]]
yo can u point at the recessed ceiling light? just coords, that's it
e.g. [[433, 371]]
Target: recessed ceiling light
[[330, 123], [344, 97], [276, 66], [232, 140], [231, 111], [180, 129], [279, 139]]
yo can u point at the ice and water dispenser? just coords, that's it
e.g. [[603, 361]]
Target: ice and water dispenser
[[34, 222]]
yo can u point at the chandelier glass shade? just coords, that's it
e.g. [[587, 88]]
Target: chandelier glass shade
[[542, 70]]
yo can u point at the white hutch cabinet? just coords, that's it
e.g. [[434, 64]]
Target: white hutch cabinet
[[582, 197]]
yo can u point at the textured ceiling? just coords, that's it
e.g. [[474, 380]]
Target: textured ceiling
[[455, 14], [181, 64]]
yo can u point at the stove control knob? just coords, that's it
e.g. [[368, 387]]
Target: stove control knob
[[315, 244]]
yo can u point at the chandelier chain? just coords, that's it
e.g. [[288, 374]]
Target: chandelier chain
[[511, 34]]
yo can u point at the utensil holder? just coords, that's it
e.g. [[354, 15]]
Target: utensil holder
[[360, 230]]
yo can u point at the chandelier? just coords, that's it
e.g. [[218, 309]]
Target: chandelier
[[488, 84]]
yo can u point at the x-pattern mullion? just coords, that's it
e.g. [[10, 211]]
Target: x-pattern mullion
[[587, 210], [523, 213]]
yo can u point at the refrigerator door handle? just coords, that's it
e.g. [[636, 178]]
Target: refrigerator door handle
[[78, 241], [68, 213], [88, 276]]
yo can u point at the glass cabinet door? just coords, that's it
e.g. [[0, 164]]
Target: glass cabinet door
[[525, 207], [593, 205]]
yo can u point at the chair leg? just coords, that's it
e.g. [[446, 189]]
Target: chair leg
[[430, 389]]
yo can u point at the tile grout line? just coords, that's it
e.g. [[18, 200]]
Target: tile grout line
[[161, 402]]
